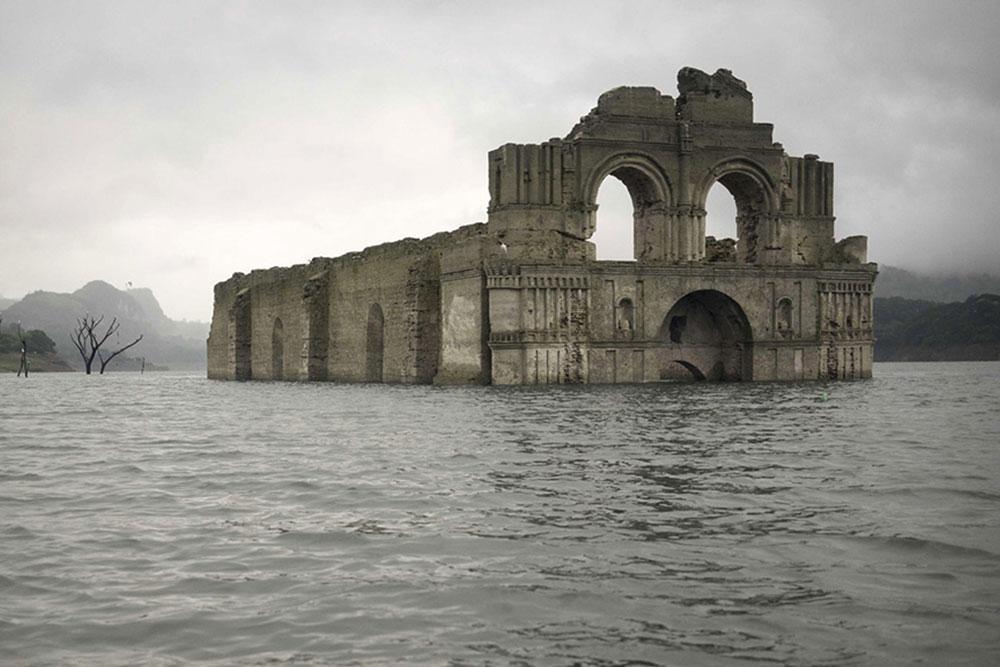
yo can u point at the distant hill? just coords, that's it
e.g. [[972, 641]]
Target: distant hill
[[6, 303], [942, 288], [176, 345], [916, 330]]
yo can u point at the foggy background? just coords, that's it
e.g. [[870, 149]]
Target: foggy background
[[171, 144]]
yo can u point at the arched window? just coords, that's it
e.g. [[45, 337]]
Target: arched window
[[751, 205], [630, 200], [720, 225], [614, 235]]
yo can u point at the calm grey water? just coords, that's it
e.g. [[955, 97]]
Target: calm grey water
[[166, 519]]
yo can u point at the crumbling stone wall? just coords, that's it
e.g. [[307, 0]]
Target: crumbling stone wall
[[325, 310], [521, 298]]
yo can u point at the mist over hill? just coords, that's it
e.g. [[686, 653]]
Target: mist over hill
[[942, 288], [166, 342], [943, 317]]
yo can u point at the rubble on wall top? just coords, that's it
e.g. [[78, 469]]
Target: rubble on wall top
[[693, 80], [636, 101], [648, 102], [391, 249]]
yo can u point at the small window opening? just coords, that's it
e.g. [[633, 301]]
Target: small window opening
[[626, 315], [785, 317]]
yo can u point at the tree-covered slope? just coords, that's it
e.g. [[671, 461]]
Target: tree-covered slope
[[909, 330]]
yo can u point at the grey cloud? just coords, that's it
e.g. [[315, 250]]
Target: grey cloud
[[171, 130]]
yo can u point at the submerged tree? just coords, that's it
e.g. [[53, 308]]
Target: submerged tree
[[88, 341]]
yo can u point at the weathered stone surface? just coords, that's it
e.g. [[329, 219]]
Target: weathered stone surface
[[521, 299]]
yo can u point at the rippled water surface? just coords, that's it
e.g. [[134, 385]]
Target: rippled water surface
[[162, 519]]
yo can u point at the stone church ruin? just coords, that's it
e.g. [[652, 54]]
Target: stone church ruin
[[521, 299]]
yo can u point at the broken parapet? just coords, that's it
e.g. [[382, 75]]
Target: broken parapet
[[719, 97], [850, 250]]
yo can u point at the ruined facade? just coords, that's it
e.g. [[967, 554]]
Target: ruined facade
[[521, 299]]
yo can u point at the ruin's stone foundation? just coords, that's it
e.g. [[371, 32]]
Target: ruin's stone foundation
[[521, 299]]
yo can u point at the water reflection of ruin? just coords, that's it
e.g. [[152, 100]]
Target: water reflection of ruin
[[522, 300]]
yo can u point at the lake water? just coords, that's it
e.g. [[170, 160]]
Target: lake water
[[165, 518]]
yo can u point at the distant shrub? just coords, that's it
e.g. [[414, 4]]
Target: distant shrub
[[9, 343], [39, 342], [36, 340]]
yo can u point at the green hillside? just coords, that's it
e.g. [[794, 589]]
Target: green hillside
[[912, 330]]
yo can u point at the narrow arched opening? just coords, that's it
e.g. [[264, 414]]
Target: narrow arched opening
[[375, 344], [705, 336], [720, 225], [278, 350], [626, 316], [783, 315], [614, 237]]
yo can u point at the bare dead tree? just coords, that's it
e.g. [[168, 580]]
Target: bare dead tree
[[88, 340], [85, 340], [106, 361]]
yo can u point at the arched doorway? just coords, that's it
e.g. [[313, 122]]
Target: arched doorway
[[375, 344], [278, 350], [705, 336]]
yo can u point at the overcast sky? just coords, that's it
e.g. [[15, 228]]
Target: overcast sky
[[173, 143]]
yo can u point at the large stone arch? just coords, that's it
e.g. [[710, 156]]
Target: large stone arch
[[640, 172], [649, 187], [757, 204], [705, 335]]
